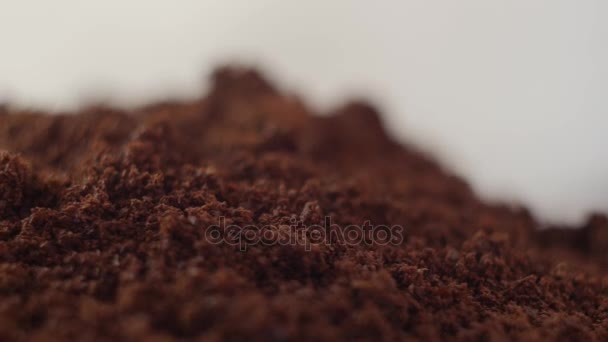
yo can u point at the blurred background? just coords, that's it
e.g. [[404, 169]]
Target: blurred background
[[512, 95]]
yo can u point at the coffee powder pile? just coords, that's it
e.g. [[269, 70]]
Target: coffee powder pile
[[113, 227]]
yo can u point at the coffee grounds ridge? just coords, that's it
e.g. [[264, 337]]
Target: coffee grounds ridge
[[103, 215]]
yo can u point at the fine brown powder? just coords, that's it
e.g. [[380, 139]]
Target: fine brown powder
[[113, 227]]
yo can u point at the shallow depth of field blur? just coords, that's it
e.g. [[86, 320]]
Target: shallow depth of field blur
[[512, 95]]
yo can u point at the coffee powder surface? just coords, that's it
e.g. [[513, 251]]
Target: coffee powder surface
[[164, 223]]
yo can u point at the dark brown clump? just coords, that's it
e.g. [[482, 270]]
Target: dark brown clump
[[104, 217]]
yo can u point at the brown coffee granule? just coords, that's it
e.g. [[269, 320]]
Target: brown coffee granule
[[105, 217]]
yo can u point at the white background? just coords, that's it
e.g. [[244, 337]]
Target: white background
[[511, 94]]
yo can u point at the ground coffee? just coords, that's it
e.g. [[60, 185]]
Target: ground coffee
[[242, 215]]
